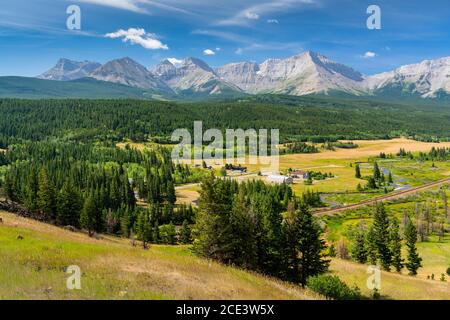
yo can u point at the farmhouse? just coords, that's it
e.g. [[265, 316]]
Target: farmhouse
[[299, 174], [236, 169], [280, 179]]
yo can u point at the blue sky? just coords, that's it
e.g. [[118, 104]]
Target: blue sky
[[33, 34]]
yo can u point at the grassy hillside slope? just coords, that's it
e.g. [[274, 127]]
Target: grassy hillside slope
[[33, 268]]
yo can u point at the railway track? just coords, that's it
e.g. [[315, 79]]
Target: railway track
[[392, 196]]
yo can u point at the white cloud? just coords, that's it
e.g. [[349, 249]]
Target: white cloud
[[239, 51], [130, 5], [263, 8], [175, 61], [138, 36], [251, 15], [369, 55], [208, 52], [272, 21], [139, 6]]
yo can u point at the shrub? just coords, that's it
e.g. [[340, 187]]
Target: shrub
[[333, 288], [448, 271]]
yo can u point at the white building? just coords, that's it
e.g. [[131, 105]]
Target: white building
[[280, 179]]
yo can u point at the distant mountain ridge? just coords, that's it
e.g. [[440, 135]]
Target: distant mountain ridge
[[303, 74], [307, 73], [128, 72], [66, 70], [194, 76]]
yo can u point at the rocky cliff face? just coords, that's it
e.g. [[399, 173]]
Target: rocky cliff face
[[66, 70], [128, 72], [298, 75]]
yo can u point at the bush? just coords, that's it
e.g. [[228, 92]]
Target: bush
[[332, 288], [448, 271]]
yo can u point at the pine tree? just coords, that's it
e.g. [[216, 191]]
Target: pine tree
[[11, 189], [88, 214], [376, 172], [143, 228], [32, 190], [396, 245], [69, 205], [125, 223], [371, 184], [372, 252], [244, 243], [99, 212], [357, 171], [307, 246], [414, 262], [359, 249], [214, 216], [156, 237], [381, 234], [171, 196], [185, 233], [390, 179], [46, 195]]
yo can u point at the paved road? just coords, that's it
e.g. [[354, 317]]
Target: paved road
[[392, 196]]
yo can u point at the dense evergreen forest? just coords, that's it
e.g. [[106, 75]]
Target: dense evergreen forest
[[96, 187], [298, 120]]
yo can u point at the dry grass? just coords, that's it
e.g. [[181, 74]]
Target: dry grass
[[33, 268], [187, 196], [393, 285]]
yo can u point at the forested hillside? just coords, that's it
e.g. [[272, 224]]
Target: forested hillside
[[96, 188], [297, 119], [87, 88]]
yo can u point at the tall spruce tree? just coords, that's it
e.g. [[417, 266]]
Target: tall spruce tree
[[357, 171], [69, 206], [376, 172], [46, 194], [244, 242], [31, 201], [143, 228], [214, 233], [88, 214], [390, 179], [381, 236], [414, 261], [372, 251], [359, 248], [396, 245], [307, 247], [126, 223]]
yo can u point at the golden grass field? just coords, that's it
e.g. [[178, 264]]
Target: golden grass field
[[339, 163], [34, 268], [393, 285]]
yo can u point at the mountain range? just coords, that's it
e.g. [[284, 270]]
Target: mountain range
[[304, 74]]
